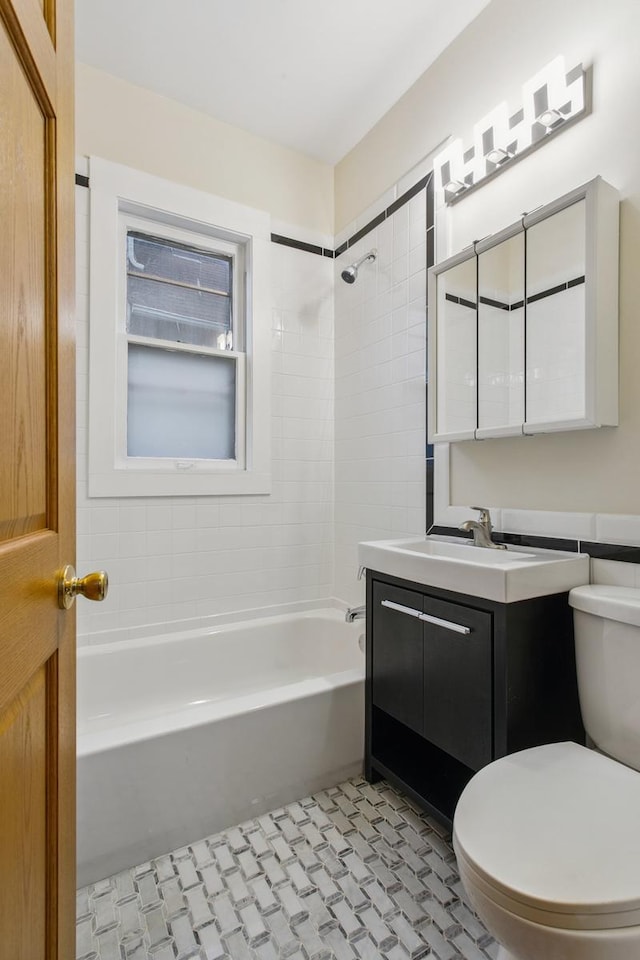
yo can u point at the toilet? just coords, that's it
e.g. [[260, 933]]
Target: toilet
[[548, 839]]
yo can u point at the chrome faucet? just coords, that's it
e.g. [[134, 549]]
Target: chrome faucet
[[482, 530], [355, 613]]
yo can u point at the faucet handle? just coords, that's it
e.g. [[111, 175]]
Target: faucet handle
[[485, 516]]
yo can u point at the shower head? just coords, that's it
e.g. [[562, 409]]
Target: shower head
[[350, 274]]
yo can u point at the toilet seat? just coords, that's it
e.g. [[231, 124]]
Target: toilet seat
[[552, 834]]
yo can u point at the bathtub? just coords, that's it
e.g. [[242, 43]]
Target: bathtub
[[182, 735]]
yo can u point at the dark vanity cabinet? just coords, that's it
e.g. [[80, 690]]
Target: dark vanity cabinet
[[454, 682]]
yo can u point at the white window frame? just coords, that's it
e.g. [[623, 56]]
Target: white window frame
[[235, 251], [120, 199]]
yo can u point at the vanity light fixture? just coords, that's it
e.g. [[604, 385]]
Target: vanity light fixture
[[454, 187], [491, 136], [549, 118], [497, 156], [551, 100]]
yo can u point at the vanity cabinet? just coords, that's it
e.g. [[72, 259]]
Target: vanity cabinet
[[454, 682], [523, 325]]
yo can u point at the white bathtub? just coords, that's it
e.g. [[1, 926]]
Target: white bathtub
[[182, 735]]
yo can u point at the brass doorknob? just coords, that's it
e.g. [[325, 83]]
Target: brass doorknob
[[94, 586]]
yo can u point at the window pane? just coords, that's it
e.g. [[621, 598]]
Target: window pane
[[180, 405], [175, 292], [168, 312], [157, 257]]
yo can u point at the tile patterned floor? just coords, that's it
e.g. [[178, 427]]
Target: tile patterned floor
[[355, 872]]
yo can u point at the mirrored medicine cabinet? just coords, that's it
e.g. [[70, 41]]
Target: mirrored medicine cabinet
[[523, 325]]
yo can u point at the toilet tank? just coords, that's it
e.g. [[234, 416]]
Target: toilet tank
[[607, 637]]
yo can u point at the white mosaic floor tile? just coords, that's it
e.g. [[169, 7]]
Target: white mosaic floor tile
[[356, 872]]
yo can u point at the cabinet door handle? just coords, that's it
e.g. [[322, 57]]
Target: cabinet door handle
[[426, 617], [447, 624], [400, 609]]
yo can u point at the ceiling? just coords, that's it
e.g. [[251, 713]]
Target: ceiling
[[313, 75]]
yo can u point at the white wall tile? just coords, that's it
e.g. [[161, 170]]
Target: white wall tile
[[614, 528], [348, 450], [418, 253], [371, 212], [400, 221], [171, 559], [578, 526], [379, 398]]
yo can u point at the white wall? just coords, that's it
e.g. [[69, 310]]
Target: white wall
[[127, 124], [596, 471], [171, 559], [380, 390]]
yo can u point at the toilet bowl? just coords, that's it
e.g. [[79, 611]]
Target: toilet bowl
[[548, 839]]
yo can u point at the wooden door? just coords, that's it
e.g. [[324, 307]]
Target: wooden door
[[37, 472]]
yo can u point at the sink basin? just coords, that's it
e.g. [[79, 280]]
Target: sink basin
[[455, 564], [461, 550]]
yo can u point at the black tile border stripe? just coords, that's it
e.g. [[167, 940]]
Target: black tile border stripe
[[488, 302], [553, 290], [430, 489], [451, 297], [431, 239], [515, 539], [301, 245], [500, 305], [611, 551], [82, 181], [363, 231], [409, 194], [390, 210], [368, 227], [620, 552]]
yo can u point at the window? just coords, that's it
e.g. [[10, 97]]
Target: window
[[179, 340], [183, 315]]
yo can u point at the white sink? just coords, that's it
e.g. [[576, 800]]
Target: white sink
[[503, 575], [460, 550]]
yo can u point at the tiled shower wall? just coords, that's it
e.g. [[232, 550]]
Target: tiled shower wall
[[172, 559], [380, 390]]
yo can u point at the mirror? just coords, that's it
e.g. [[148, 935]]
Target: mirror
[[523, 326], [456, 348], [556, 331], [501, 336]]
